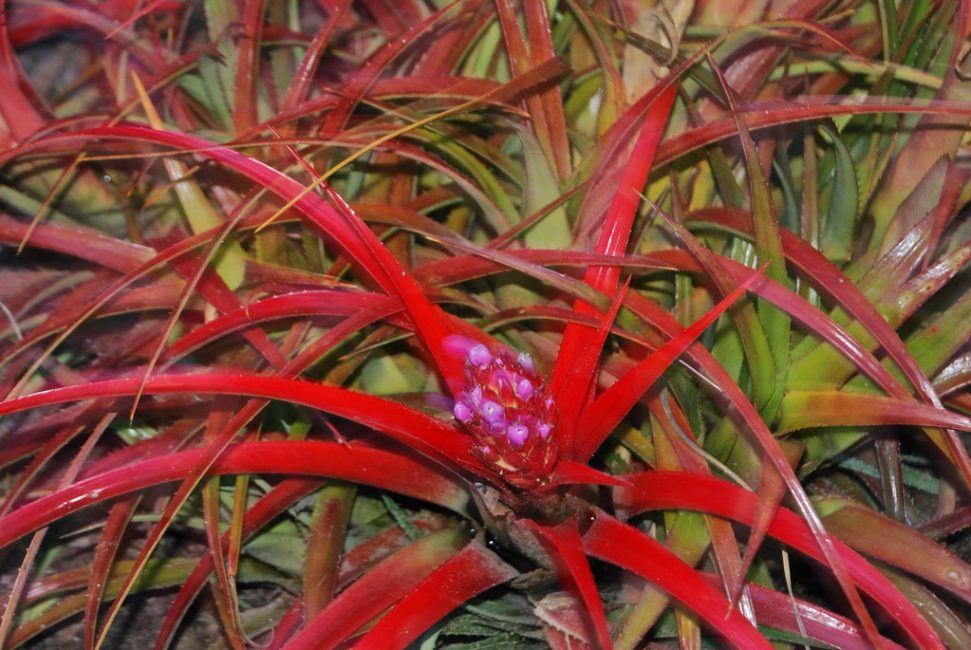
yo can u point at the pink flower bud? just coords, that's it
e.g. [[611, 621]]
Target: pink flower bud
[[524, 388], [462, 412], [492, 412], [479, 356], [525, 362], [517, 435]]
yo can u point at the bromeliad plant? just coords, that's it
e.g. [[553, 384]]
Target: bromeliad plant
[[416, 274]]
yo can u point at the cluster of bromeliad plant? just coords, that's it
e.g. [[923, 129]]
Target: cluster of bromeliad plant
[[484, 324]]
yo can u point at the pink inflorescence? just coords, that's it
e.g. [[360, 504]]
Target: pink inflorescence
[[505, 406]]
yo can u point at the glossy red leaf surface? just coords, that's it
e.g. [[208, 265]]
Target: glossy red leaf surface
[[775, 610], [397, 473], [566, 549], [673, 490], [899, 545], [618, 543], [571, 378], [611, 406], [424, 433], [381, 587], [465, 575]]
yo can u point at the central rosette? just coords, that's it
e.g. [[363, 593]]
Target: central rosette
[[505, 407]]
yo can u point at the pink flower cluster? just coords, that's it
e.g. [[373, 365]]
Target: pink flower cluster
[[505, 407]]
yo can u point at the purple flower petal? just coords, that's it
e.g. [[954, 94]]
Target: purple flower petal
[[525, 362], [462, 412], [479, 356], [524, 388], [492, 412], [458, 345], [497, 428], [544, 430], [517, 435]]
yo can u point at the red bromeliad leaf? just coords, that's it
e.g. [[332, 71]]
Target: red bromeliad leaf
[[775, 610], [104, 556], [169, 440], [540, 37], [673, 452], [803, 409], [54, 15], [899, 545], [772, 488], [465, 575], [223, 591], [949, 624], [459, 88], [359, 560], [612, 405], [381, 587], [328, 534], [760, 352], [38, 462], [357, 84], [567, 472], [212, 287], [608, 157], [618, 543], [571, 380], [80, 457], [768, 114], [19, 117], [398, 473], [76, 241], [342, 224], [355, 563], [426, 434], [225, 437], [746, 416], [248, 54], [675, 490], [945, 210], [430, 324], [464, 268], [168, 573], [155, 5], [566, 549], [249, 411], [582, 372], [518, 54], [287, 626], [770, 364], [304, 75], [270, 505], [322, 302], [819, 323], [461, 268]]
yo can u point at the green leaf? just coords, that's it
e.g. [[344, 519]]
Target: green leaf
[[282, 546], [507, 617], [541, 189], [844, 196]]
